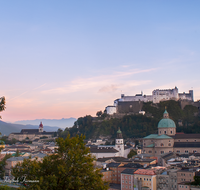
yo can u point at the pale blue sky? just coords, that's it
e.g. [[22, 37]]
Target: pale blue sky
[[72, 58]]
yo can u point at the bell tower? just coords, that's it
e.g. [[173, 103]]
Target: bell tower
[[40, 127], [119, 143]]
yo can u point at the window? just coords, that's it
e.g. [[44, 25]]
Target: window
[[161, 144], [165, 132], [155, 151], [186, 151], [162, 152], [160, 132], [169, 144], [129, 182], [150, 151], [171, 132], [149, 179], [144, 179], [122, 181]]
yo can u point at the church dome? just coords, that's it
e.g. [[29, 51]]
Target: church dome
[[166, 122]]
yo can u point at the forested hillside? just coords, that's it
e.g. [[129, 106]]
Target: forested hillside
[[138, 125]]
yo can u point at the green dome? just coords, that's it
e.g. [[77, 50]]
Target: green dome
[[119, 131], [166, 123]]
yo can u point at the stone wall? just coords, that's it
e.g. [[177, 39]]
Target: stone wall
[[129, 107]]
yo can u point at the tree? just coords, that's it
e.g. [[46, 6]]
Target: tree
[[70, 167], [99, 113], [2, 104], [132, 153], [2, 165], [59, 131], [17, 153]]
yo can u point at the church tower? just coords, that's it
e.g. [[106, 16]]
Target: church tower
[[40, 127], [119, 143]]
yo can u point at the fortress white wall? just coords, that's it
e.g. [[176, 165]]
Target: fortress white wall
[[158, 96]]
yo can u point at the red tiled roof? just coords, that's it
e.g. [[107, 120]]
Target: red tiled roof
[[145, 172]]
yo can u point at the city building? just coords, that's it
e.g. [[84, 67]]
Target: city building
[[167, 140], [117, 150], [145, 179], [31, 134]]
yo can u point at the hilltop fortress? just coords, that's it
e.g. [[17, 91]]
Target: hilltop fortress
[[133, 104]]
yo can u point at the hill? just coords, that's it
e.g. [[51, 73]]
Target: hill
[[7, 128], [134, 126]]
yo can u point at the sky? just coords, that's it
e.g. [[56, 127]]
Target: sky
[[61, 59]]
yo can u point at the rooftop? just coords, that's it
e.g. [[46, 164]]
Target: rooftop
[[103, 150], [128, 171], [145, 172]]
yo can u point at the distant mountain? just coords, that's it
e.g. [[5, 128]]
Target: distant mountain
[[61, 123], [7, 128]]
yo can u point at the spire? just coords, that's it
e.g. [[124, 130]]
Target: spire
[[165, 114], [41, 125], [119, 134], [119, 131]]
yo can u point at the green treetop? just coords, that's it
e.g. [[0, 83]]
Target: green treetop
[[70, 167], [2, 104]]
